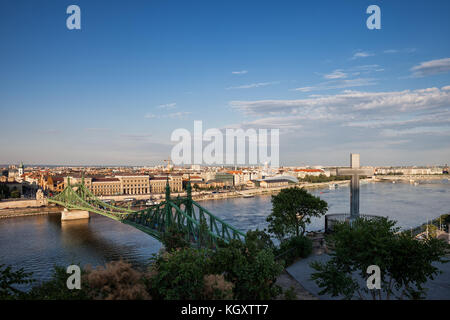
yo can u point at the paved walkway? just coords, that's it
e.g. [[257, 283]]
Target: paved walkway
[[438, 288], [286, 282]]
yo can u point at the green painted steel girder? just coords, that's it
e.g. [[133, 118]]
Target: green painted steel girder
[[183, 213]]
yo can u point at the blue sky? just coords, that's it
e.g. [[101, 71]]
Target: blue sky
[[113, 92]]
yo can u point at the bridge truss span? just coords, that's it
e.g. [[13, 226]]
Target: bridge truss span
[[181, 215]]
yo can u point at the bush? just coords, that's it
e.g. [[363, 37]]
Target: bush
[[252, 269], [174, 239], [217, 288], [56, 288], [290, 294], [259, 240], [116, 281], [294, 248], [178, 275]]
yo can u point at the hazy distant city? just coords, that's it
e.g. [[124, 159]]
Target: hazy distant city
[[151, 181]]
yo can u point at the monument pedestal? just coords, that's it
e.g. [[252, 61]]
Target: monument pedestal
[[74, 214]]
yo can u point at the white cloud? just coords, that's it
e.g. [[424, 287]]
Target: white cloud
[[254, 85], [408, 108], [434, 118], [431, 67], [345, 78], [168, 115], [336, 74], [361, 54], [177, 115], [407, 50], [441, 131], [240, 72], [339, 84], [150, 116], [167, 106]]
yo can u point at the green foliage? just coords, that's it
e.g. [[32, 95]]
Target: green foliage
[[405, 263], [250, 266], [258, 240], [217, 288], [10, 279], [203, 234], [432, 230], [178, 275], [174, 238], [56, 288], [446, 221], [292, 210], [4, 191], [290, 294], [294, 248], [15, 194]]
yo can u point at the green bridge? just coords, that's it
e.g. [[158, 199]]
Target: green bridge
[[181, 214]]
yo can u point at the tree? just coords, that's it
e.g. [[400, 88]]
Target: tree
[[174, 238], [292, 210], [56, 288], [179, 275], [4, 191], [15, 193], [9, 280], [250, 266], [405, 263]]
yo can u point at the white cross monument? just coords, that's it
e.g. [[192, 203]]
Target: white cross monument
[[355, 171]]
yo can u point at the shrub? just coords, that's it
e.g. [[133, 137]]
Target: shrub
[[294, 248], [215, 287], [259, 240], [178, 275], [252, 270], [56, 288], [116, 281], [174, 239], [290, 294]]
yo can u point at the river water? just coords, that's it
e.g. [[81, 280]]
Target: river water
[[37, 243]]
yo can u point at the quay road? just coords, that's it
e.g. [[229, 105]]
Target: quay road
[[414, 177]]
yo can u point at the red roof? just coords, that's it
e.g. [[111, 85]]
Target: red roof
[[235, 172]]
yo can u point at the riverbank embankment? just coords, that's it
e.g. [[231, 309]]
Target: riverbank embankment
[[25, 212]]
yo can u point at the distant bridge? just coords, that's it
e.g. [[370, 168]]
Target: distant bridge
[[184, 215]]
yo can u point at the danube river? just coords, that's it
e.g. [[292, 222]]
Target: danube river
[[37, 243]]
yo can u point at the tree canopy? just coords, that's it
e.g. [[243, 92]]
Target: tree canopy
[[292, 210], [405, 263]]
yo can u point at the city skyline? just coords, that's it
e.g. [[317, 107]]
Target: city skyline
[[114, 91]]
